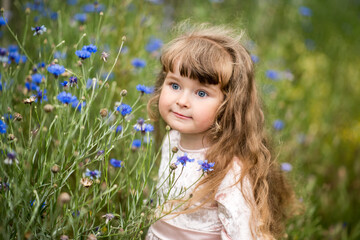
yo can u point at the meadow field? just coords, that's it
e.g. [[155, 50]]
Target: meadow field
[[78, 154]]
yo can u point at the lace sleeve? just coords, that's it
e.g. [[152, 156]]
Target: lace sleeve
[[233, 210]]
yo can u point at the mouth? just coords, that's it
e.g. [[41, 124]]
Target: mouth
[[181, 116]]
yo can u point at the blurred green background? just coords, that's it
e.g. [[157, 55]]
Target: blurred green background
[[307, 63]]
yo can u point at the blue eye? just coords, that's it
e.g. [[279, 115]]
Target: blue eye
[[175, 86], [202, 94]]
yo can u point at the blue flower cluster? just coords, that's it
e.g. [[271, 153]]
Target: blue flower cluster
[[124, 109], [67, 98], [92, 174], [86, 51], [278, 124], [205, 166], [144, 89], [153, 45], [40, 96], [136, 144], [39, 30], [183, 160], [11, 55], [56, 69], [3, 127], [115, 163], [138, 63], [143, 127]]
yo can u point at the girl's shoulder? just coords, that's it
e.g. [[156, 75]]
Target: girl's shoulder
[[232, 179]]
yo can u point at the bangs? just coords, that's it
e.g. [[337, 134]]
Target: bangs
[[198, 58]]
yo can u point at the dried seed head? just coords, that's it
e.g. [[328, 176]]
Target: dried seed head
[[64, 198], [86, 182], [18, 117], [29, 100], [123, 39], [173, 166], [104, 112], [11, 137], [55, 168]]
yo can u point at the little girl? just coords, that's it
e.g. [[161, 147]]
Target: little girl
[[216, 178]]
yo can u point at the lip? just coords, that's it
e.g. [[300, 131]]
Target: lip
[[178, 115]]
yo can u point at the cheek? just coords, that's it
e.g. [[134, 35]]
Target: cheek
[[162, 103]]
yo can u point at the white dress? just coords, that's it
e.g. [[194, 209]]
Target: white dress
[[227, 219]]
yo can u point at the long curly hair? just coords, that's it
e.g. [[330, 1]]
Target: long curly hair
[[214, 55]]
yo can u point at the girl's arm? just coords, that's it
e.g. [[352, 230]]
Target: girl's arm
[[233, 210]]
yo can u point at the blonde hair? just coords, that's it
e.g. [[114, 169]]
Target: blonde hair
[[214, 55]]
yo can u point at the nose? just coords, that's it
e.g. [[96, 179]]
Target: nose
[[183, 100]]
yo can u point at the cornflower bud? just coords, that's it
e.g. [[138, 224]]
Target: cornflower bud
[[174, 149], [104, 112], [48, 108], [123, 93], [64, 198], [55, 168]]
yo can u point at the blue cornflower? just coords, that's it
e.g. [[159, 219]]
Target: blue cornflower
[[118, 129], [124, 109], [37, 78], [60, 55], [136, 144], [83, 54], [8, 116], [115, 163], [33, 202], [65, 97], [11, 158], [286, 167], [92, 174], [13, 48], [143, 127], [32, 86], [77, 104], [272, 74], [254, 58], [64, 83], [95, 7], [154, 44], [100, 152], [91, 83], [56, 69], [305, 11], [278, 124], [90, 48], [71, 2], [158, 2], [3, 21], [138, 63], [111, 75], [183, 160], [14, 57], [3, 127], [144, 89], [73, 80], [41, 65], [3, 55], [81, 17], [205, 166], [39, 30], [40, 96]]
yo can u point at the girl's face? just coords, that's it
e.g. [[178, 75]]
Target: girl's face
[[187, 105]]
